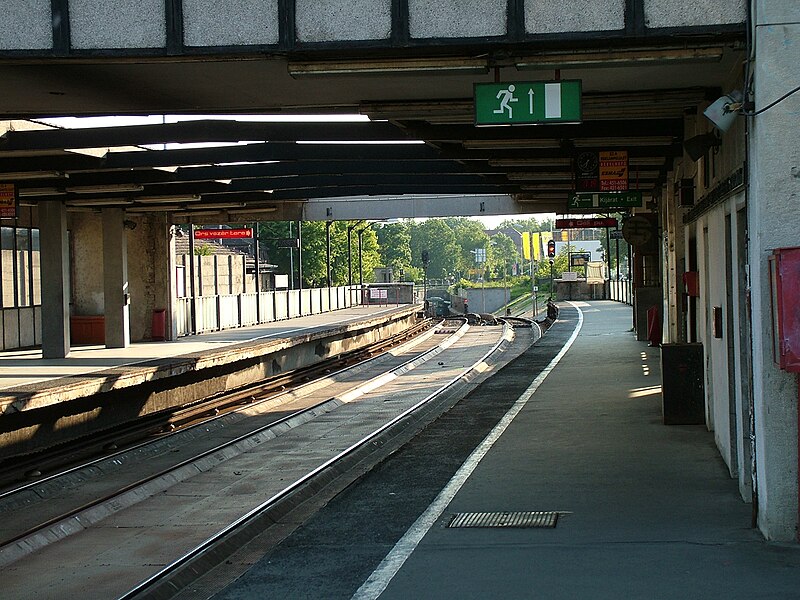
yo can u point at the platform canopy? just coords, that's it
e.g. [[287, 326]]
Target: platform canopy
[[417, 132]]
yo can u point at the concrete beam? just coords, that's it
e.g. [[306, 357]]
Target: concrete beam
[[410, 206]]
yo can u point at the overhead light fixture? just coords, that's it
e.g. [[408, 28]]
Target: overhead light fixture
[[698, 145], [168, 198], [105, 189], [617, 58], [532, 176], [100, 202], [147, 208], [223, 205], [196, 213], [35, 192], [23, 175], [547, 186], [247, 211], [646, 161], [724, 110], [407, 65], [639, 141], [529, 162], [535, 144]]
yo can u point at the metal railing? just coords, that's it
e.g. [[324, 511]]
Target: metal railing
[[214, 313], [621, 291]]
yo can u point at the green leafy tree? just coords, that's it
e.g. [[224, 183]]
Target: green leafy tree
[[315, 267], [532, 224], [560, 264], [343, 262], [315, 272], [503, 254], [394, 246], [269, 233], [469, 236], [438, 240]]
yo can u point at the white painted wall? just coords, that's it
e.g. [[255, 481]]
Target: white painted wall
[[774, 223]]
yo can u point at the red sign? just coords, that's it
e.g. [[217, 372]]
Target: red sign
[[228, 234], [585, 223], [614, 171], [8, 200]]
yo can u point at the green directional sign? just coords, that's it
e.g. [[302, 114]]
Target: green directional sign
[[611, 200], [527, 102]]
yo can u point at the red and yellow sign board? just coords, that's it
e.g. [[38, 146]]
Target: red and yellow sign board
[[614, 171], [8, 201]]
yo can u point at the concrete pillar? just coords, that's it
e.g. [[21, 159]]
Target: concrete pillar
[[54, 249], [774, 222], [163, 264], [171, 286], [116, 293]]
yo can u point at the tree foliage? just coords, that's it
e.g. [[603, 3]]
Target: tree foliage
[[470, 235], [315, 258], [438, 240], [532, 224], [503, 254], [450, 244], [394, 246]]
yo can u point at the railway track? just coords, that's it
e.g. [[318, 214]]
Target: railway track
[[99, 444], [295, 437]]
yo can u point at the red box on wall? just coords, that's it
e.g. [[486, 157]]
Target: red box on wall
[[784, 274], [691, 283]]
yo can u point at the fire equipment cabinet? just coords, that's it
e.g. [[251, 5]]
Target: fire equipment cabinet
[[784, 271]]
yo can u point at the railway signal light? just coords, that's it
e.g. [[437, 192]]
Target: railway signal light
[[551, 249]]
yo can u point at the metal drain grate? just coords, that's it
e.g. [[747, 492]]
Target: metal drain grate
[[504, 519]]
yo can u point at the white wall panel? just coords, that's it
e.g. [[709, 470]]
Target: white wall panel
[[545, 16], [343, 20], [26, 25], [230, 23], [118, 24], [681, 13], [457, 18]]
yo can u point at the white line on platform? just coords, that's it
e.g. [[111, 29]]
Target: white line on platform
[[375, 585]]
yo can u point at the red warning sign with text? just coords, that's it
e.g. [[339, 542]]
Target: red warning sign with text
[[614, 171], [8, 201], [228, 234]]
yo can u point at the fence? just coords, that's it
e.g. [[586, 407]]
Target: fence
[[227, 311], [621, 291]]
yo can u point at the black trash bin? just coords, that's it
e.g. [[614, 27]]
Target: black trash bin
[[682, 390]]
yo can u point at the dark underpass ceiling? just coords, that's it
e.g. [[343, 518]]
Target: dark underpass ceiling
[[422, 134]]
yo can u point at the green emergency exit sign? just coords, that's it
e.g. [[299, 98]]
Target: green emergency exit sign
[[527, 102], [610, 200]]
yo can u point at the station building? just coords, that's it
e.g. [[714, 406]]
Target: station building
[[703, 97]]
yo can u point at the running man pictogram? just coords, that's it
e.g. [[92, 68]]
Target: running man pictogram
[[506, 96]]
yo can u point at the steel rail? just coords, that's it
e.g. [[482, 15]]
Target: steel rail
[[179, 418], [120, 492], [251, 516]]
